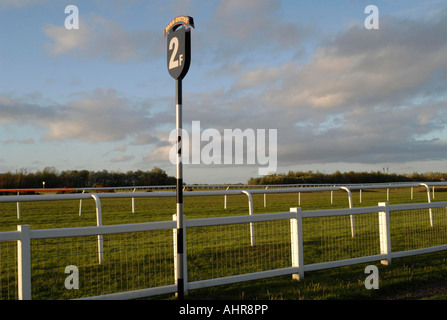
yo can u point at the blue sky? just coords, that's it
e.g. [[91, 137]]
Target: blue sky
[[341, 97]]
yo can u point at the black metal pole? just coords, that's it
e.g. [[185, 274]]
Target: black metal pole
[[179, 189]]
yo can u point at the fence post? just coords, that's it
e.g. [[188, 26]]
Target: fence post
[[429, 201], [99, 223], [24, 262], [133, 201], [351, 217], [183, 269], [384, 233], [250, 212], [296, 237], [225, 199], [80, 204], [18, 207], [265, 198]]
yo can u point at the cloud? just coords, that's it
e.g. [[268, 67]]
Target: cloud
[[65, 40], [158, 155], [100, 116], [100, 38], [235, 29], [387, 88], [122, 158], [144, 139], [241, 32], [367, 96], [20, 111]]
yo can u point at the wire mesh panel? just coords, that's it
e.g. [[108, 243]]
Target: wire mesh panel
[[8, 270], [131, 261], [222, 251], [417, 229], [334, 238]]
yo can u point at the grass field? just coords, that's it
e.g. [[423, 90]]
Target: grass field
[[130, 266]]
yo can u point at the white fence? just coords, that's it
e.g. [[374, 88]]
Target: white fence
[[248, 190], [217, 250]]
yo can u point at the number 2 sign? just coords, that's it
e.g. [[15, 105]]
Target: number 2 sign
[[179, 49], [179, 59]]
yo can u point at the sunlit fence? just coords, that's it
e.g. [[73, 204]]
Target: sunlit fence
[[128, 258], [138, 260]]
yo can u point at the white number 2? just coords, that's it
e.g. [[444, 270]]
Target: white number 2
[[173, 45]]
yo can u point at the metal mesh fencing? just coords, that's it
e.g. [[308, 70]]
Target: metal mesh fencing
[[131, 261], [417, 229], [8, 270], [327, 239], [226, 250]]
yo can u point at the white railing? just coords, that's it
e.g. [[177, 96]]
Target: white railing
[[248, 190], [24, 236], [378, 225], [278, 189]]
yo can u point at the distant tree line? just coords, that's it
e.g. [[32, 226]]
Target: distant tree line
[[310, 177], [83, 178], [22, 179]]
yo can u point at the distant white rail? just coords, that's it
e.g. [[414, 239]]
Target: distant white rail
[[248, 190]]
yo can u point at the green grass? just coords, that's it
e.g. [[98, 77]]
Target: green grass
[[402, 277], [131, 265]]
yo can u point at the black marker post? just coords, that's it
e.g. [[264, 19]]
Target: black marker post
[[179, 59]]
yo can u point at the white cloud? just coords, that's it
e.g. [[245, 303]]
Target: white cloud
[[98, 37], [244, 32], [122, 158], [100, 116], [159, 155], [67, 40], [145, 138], [368, 97]]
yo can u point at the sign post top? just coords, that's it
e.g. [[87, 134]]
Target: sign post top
[[177, 21]]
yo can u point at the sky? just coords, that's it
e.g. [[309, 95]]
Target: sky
[[340, 96]]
